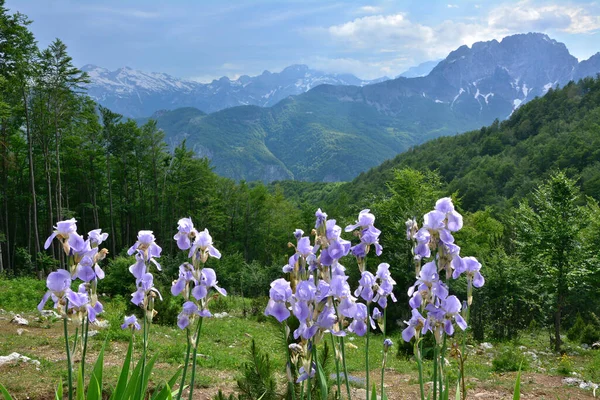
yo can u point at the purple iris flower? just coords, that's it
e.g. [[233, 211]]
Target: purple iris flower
[[428, 285], [131, 322], [79, 303], [96, 237], [365, 219], [321, 218], [88, 270], [145, 285], [62, 230], [415, 324], [304, 247], [146, 245], [359, 324], [185, 276], [444, 314], [387, 343], [208, 278], [386, 285], [58, 283], [471, 267], [185, 232], [280, 293], [365, 286], [301, 310], [189, 309], [305, 331], [204, 244], [327, 319], [304, 375], [298, 233], [455, 221], [323, 291], [306, 290]]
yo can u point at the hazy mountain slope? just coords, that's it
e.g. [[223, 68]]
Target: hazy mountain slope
[[504, 162], [139, 94], [332, 133]]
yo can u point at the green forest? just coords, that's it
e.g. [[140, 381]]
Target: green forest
[[528, 187]]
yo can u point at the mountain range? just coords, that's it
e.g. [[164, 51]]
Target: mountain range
[[333, 133], [135, 94]]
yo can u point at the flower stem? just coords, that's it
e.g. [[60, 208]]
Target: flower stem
[[418, 351], [185, 366], [367, 346], [337, 367], [344, 366], [288, 366], [84, 332], [384, 350], [195, 355], [435, 370], [145, 344], [69, 369]]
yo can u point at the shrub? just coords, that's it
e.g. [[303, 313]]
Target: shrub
[[565, 365], [574, 334], [590, 334], [509, 360]]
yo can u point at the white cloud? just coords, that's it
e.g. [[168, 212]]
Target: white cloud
[[527, 16], [397, 32], [369, 10], [364, 69], [452, 5]]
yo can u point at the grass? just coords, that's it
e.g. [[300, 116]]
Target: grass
[[224, 346]]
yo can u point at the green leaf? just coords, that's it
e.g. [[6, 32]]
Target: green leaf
[[374, 393], [162, 394], [80, 395], [158, 395], [94, 391], [322, 381], [124, 376], [58, 394], [457, 397], [147, 372], [5, 393], [133, 382], [99, 366], [517, 392]]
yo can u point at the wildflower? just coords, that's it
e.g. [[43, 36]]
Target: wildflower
[[96, 237], [454, 219], [146, 246], [204, 245], [387, 343], [321, 218], [428, 286], [189, 309], [185, 234], [185, 277], [279, 294], [443, 315], [471, 267], [365, 219], [63, 231], [145, 287], [359, 325], [415, 324], [131, 322], [365, 286], [58, 283], [87, 269]]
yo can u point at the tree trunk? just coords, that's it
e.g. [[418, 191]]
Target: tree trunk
[[110, 202], [32, 183], [5, 190]]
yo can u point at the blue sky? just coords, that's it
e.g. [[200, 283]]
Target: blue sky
[[205, 39]]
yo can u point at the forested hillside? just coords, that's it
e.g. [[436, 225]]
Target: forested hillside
[[500, 164]]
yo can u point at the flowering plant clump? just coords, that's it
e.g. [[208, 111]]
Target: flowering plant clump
[[81, 306], [195, 283], [433, 309], [318, 295]]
